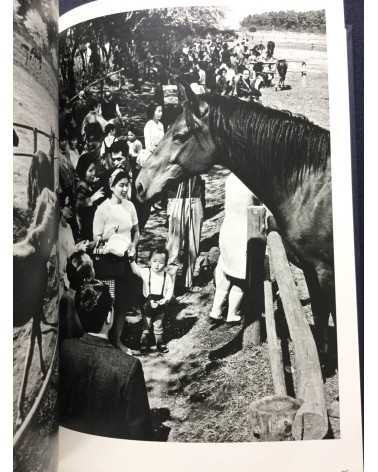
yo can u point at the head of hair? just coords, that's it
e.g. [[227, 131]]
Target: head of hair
[[85, 160], [74, 134], [120, 145], [93, 131], [93, 303], [92, 103], [117, 175], [132, 129], [109, 127], [79, 269], [158, 250], [152, 108]]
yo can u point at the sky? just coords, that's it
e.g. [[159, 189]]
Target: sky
[[234, 16]]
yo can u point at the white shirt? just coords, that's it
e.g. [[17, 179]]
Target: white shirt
[[153, 134], [110, 216], [157, 280]]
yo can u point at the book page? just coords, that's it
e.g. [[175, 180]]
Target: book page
[[35, 228], [215, 126]]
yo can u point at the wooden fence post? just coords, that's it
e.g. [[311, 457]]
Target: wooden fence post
[[254, 304], [35, 140], [311, 421], [274, 344]]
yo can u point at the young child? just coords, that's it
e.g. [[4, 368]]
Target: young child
[[158, 292], [110, 133], [135, 146]]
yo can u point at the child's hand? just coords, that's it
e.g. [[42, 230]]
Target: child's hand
[[154, 304], [161, 302]]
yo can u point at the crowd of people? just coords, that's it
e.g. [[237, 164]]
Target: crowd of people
[[101, 153]]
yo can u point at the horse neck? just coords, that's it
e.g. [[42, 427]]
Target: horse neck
[[268, 169], [233, 154]]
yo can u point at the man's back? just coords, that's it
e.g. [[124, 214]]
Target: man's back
[[102, 390]]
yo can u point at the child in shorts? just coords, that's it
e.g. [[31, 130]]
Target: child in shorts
[[158, 292]]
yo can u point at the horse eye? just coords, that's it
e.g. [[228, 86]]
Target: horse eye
[[181, 137]]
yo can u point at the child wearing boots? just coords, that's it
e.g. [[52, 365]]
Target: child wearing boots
[[158, 292]]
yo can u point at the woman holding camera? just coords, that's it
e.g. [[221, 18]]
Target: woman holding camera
[[116, 229]]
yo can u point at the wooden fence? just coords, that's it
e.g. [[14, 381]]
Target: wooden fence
[[305, 416]]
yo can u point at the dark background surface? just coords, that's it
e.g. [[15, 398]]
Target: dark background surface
[[66, 5], [354, 21]]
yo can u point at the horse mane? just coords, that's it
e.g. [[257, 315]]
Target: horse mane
[[286, 145]]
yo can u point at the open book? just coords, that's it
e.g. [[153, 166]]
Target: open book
[[182, 243]]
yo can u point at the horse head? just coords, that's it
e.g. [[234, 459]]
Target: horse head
[[187, 148]]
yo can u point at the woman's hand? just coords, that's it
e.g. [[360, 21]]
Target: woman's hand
[[131, 251], [97, 195]]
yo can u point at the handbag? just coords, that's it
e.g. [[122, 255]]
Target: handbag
[[108, 266]]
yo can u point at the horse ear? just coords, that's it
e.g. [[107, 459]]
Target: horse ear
[[186, 95], [182, 92]]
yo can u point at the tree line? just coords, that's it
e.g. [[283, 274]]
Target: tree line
[[313, 21]]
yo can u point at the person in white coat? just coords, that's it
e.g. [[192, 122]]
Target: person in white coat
[[230, 273]]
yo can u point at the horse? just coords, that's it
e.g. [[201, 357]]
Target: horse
[[281, 67], [283, 158], [270, 49], [30, 277]]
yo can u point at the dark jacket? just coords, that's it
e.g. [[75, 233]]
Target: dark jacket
[[102, 390], [245, 89], [85, 211]]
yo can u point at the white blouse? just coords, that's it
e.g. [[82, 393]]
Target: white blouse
[[113, 217], [153, 134]]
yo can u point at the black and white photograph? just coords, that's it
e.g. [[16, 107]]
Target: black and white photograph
[[35, 231], [196, 254]]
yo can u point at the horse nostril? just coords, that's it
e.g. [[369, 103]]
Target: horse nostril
[[140, 189]]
